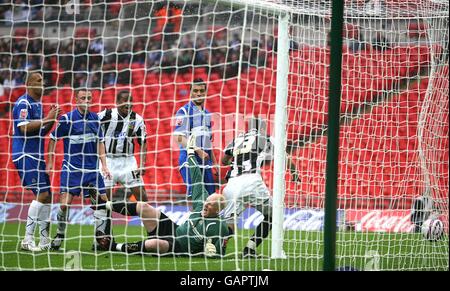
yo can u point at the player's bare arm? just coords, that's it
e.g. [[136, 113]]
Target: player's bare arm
[[214, 162], [143, 159], [51, 155], [102, 155], [202, 154], [52, 116], [34, 127], [182, 140]]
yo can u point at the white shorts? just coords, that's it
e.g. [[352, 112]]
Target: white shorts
[[123, 171], [247, 189]]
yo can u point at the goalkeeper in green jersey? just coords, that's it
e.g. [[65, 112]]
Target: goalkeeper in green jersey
[[202, 233]]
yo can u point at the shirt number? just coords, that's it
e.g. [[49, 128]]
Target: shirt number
[[243, 145]]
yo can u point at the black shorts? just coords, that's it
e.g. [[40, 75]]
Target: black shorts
[[167, 231]]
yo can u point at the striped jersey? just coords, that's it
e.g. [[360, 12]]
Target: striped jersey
[[249, 150], [121, 132], [81, 135], [25, 110]]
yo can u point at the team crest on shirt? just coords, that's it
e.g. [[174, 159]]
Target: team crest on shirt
[[121, 135], [23, 113], [179, 121], [131, 125]]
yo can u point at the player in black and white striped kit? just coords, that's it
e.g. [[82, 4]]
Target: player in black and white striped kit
[[247, 152], [123, 127]]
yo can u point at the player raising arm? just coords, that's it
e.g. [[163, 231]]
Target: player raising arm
[[202, 233]]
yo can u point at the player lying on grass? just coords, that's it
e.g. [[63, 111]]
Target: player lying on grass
[[202, 233]]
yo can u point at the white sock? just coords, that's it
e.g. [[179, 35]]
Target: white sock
[[62, 221], [251, 244], [100, 220], [44, 223], [119, 247], [32, 218]]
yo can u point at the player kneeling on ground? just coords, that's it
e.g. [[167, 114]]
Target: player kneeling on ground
[[202, 233], [246, 187]]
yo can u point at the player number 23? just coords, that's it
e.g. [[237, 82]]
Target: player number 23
[[244, 144]]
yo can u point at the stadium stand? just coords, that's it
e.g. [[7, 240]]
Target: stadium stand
[[382, 72]]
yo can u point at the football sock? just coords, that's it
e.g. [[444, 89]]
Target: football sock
[[62, 217], [137, 247], [251, 245], [32, 219], [44, 223], [261, 232], [119, 247], [124, 208], [102, 221]]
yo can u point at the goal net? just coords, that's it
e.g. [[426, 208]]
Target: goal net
[[394, 131], [394, 120]]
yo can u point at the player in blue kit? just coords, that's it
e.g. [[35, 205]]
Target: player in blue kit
[[83, 147], [30, 129], [193, 118]]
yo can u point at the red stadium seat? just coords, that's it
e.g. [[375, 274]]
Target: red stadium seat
[[85, 32], [24, 32]]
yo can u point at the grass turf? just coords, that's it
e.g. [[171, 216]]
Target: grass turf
[[362, 251]]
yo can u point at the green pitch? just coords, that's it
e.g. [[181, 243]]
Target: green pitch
[[304, 251]]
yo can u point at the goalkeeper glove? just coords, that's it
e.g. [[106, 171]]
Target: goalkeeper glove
[[210, 248]]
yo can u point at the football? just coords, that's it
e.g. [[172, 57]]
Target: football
[[432, 229]]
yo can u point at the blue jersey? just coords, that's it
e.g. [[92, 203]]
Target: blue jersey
[[25, 110], [192, 120], [81, 135]]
